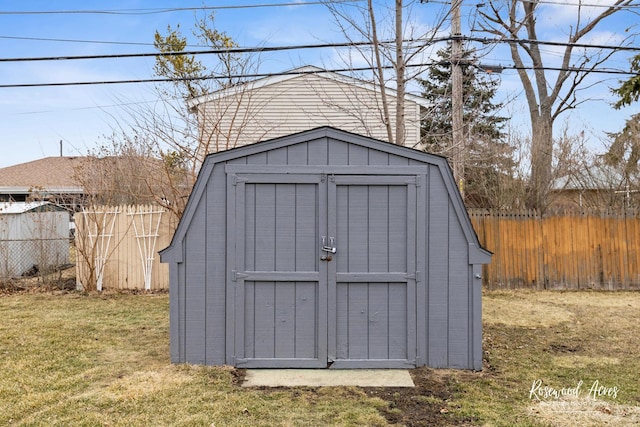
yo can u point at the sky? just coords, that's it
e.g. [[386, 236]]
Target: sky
[[39, 122]]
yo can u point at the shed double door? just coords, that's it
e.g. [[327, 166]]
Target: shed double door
[[322, 270]]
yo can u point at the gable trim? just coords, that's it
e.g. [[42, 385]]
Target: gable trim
[[293, 74]]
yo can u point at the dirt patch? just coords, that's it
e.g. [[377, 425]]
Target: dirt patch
[[564, 348], [429, 403], [61, 280]]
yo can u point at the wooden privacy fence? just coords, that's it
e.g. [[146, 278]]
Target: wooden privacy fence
[[570, 250], [117, 247]]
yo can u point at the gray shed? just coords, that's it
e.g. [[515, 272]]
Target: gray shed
[[325, 249]]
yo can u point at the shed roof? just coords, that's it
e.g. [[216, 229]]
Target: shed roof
[[479, 255], [20, 207], [295, 73]]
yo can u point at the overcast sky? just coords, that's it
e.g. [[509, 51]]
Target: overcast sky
[[35, 119]]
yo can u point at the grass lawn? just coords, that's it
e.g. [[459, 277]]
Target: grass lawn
[[90, 360]]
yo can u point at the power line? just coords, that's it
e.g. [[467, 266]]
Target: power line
[[551, 2], [564, 3], [152, 11], [314, 46], [263, 75], [40, 39], [551, 43], [209, 51]]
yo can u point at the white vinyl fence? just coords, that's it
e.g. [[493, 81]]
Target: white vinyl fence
[[117, 247]]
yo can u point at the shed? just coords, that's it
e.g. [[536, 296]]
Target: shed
[[34, 236], [325, 249]]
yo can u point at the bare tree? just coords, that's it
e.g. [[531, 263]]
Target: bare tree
[[515, 21], [399, 51], [177, 128]]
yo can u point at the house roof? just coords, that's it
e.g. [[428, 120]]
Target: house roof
[[52, 174], [295, 73], [598, 176]]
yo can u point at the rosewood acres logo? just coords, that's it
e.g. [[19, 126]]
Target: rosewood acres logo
[[542, 392]]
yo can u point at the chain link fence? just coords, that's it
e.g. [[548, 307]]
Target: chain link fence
[[33, 257]]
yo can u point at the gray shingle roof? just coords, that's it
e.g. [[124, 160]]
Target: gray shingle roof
[[50, 173]]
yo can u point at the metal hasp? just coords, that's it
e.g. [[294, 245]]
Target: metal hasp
[[328, 250], [331, 248]]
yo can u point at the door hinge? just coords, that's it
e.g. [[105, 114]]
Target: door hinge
[[415, 276], [239, 179], [235, 275]]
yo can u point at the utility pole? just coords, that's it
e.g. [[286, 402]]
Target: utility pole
[[459, 145]]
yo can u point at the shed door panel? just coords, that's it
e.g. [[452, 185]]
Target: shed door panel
[[296, 305], [375, 271], [280, 296]]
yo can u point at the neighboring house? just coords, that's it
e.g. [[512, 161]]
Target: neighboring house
[[598, 186], [50, 179], [298, 100]]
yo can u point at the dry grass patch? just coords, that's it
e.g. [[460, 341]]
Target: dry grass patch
[[585, 412], [141, 384], [89, 359], [522, 309], [581, 361], [593, 299]]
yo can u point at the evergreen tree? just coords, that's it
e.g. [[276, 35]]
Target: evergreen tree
[[489, 164], [624, 150]]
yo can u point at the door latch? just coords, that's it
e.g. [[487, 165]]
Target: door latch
[[328, 250]]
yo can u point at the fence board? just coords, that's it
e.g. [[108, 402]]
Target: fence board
[[124, 265], [569, 250]]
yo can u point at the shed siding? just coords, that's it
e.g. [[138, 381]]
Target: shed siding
[[216, 296], [458, 295], [195, 292], [437, 273], [448, 330], [295, 105]]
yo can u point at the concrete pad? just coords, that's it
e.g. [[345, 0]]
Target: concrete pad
[[327, 377]]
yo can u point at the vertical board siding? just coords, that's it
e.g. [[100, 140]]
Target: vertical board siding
[[280, 320], [279, 224], [195, 292], [397, 241], [458, 303], [123, 268], [569, 250], [372, 318], [372, 321], [215, 277], [437, 273], [372, 228]]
